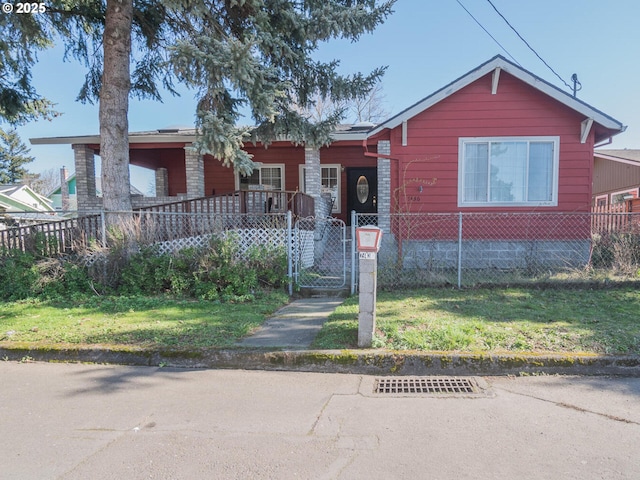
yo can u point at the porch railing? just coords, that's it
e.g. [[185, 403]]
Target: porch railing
[[241, 202], [185, 218], [52, 238], [614, 217]]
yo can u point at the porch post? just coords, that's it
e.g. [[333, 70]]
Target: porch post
[[312, 178], [85, 178], [384, 186], [194, 165], [162, 182]]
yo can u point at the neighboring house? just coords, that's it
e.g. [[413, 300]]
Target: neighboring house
[[20, 198], [19, 204], [67, 200], [616, 176]]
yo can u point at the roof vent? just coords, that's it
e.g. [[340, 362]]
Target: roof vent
[[363, 126]]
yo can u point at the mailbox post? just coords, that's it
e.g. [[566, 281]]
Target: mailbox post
[[368, 242]]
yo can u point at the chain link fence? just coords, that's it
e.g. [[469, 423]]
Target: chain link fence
[[417, 249], [504, 248], [320, 253]]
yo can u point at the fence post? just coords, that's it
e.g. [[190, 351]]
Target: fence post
[[459, 249], [290, 252], [354, 223], [103, 228]]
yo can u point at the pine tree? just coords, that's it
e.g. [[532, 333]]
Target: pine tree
[[258, 54], [13, 155], [253, 54]]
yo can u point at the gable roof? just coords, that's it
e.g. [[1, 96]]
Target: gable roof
[[21, 198], [628, 156], [612, 126], [609, 126]]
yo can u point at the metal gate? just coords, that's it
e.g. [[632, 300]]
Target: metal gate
[[320, 253]]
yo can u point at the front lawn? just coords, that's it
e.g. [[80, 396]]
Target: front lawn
[[496, 320], [154, 322]]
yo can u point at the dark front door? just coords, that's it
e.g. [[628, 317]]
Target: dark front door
[[362, 190]]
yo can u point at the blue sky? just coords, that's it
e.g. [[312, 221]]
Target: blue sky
[[426, 44]]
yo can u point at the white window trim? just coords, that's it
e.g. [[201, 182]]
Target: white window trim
[[600, 197], [462, 141], [337, 208], [622, 192], [260, 165]]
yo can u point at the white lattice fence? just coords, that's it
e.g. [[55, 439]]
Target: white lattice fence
[[173, 246], [246, 238]]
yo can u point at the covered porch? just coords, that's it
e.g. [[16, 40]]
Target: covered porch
[[284, 171]]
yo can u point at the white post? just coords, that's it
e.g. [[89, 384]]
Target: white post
[[367, 298], [368, 240], [354, 222], [459, 249], [290, 252]]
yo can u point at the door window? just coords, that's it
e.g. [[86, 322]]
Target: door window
[[362, 189]]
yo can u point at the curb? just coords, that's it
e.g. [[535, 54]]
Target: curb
[[367, 362]]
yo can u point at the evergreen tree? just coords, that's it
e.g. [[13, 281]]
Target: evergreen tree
[[13, 155], [254, 54], [258, 54]]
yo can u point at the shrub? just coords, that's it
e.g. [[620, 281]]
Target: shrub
[[146, 272], [270, 263], [23, 275], [619, 251], [219, 271], [18, 275]]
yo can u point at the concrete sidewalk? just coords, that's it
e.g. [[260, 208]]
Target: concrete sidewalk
[[294, 326]]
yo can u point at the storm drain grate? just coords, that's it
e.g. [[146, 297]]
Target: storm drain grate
[[425, 385]]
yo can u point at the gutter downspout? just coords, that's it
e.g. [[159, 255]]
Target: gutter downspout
[[367, 153]]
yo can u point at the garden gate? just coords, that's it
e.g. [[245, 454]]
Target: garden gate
[[320, 253]]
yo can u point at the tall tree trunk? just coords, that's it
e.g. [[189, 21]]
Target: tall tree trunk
[[114, 106]]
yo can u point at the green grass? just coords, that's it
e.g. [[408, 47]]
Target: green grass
[[133, 321], [496, 320]]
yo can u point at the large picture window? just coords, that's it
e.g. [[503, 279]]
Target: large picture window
[[508, 171]]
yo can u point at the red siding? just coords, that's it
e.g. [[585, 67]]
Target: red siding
[[218, 179], [516, 110], [282, 152]]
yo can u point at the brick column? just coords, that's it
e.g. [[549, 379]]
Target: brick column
[[162, 182], [384, 186], [312, 178], [85, 178], [194, 165]]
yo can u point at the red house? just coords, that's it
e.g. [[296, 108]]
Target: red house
[[498, 139]]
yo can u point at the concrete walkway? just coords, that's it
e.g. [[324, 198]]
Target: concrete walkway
[[294, 326]]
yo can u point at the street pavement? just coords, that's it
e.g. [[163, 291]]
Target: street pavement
[[78, 421]]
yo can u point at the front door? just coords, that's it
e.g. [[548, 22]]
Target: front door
[[362, 190]]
